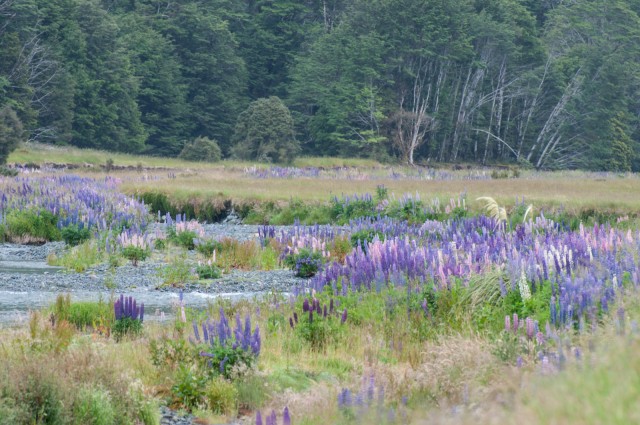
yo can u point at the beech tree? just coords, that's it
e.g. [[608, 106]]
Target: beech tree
[[264, 132]]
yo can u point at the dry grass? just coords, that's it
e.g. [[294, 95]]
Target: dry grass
[[198, 181], [614, 195]]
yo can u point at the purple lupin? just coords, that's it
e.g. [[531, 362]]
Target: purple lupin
[[286, 419]]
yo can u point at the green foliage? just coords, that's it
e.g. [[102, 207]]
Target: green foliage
[[79, 258], [169, 352], [189, 387], [364, 237], [31, 226], [178, 273], [94, 407], [622, 153], [206, 247], [11, 132], [229, 362], [126, 327], [380, 78], [264, 132], [305, 263], [83, 314], [208, 271], [201, 149], [135, 254], [74, 235], [221, 396], [343, 212], [185, 239], [7, 172]]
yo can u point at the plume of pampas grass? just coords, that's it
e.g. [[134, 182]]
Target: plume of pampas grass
[[492, 208]]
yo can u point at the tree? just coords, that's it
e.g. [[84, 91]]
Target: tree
[[10, 132], [264, 132], [215, 75], [201, 149]]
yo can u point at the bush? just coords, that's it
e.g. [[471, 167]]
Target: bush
[[82, 314], [208, 271], [265, 132], [135, 254], [201, 149], [186, 239], [74, 235], [189, 386], [364, 237], [129, 317], [221, 396], [31, 226], [318, 325], [305, 263], [79, 258], [228, 353], [178, 273], [8, 172], [94, 407], [206, 247]]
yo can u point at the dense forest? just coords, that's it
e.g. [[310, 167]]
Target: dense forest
[[547, 83]]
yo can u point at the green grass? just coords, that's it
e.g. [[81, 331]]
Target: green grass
[[78, 258]]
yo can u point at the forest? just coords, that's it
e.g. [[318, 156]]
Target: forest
[[547, 84]]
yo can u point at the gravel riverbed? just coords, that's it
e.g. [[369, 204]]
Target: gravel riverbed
[[127, 277], [26, 282]]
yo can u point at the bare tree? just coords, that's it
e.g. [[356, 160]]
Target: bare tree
[[550, 136], [412, 119]]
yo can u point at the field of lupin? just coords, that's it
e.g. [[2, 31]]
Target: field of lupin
[[407, 308]]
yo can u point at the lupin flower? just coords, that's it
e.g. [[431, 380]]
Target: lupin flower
[[286, 418], [126, 307]]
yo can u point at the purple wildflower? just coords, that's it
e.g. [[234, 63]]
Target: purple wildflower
[[286, 419]]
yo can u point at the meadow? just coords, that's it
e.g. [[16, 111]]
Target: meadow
[[422, 304]]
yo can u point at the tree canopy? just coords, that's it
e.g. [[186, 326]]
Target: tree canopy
[[552, 84]]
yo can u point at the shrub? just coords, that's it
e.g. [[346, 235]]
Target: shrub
[[206, 247], [189, 386], [135, 254], [178, 273], [79, 258], [134, 246], [228, 353], [186, 239], [201, 149], [8, 172], [364, 237], [74, 235], [305, 262], [128, 317], [94, 407], [208, 271], [82, 314], [31, 226], [169, 352], [221, 396], [265, 132], [234, 254], [318, 325]]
